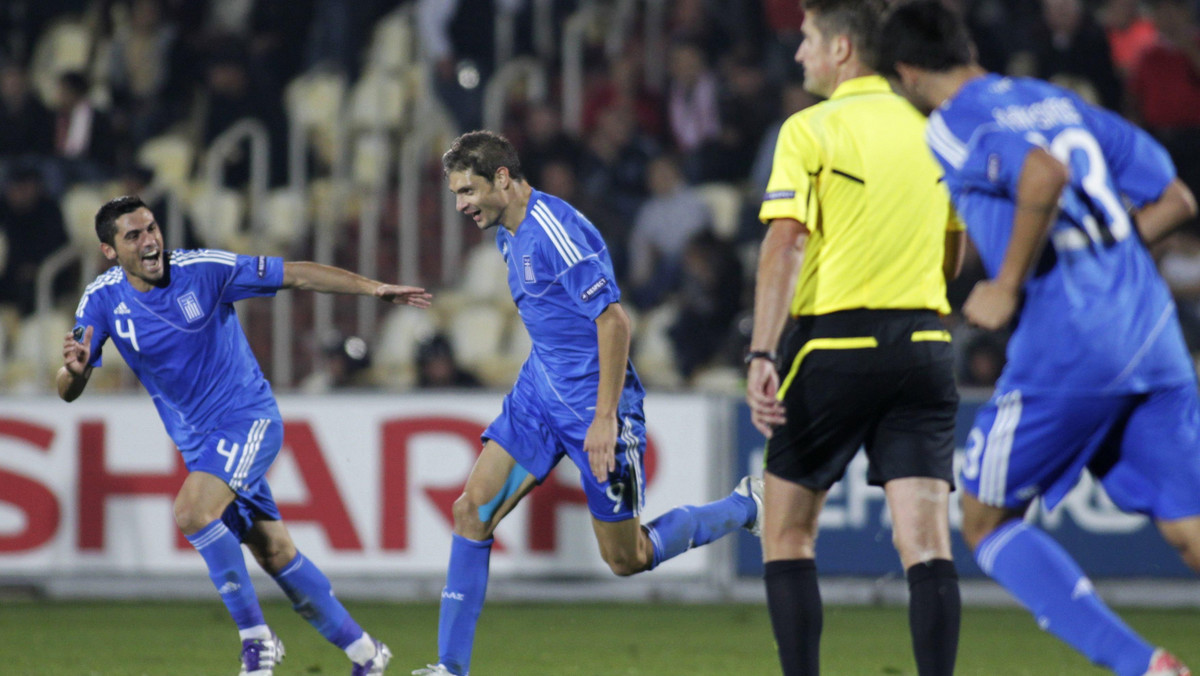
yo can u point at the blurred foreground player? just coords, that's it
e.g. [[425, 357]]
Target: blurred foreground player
[[576, 395], [1098, 376], [171, 317]]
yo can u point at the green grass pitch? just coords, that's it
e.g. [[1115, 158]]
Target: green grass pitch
[[561, 639]]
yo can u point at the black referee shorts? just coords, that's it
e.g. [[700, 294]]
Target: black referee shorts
[[882, 380]]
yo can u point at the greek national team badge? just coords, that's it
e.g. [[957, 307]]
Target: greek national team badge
[[190, 306], [528, 262]]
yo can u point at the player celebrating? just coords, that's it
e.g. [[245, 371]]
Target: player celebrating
[[171, 317], [576, 395], [1097, 374]]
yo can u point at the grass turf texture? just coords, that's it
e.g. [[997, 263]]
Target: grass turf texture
[[186, 638]]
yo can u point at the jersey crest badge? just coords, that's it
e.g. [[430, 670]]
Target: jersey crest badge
[[528, 265], [190, 306]]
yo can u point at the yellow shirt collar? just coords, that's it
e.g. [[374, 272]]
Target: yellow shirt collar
[[867, 84]]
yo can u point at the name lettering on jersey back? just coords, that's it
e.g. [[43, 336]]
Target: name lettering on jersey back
[[190, 306], [1047, 114]]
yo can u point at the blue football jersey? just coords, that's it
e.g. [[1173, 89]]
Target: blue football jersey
[[561, 278], [1096, 316], [183, 341]]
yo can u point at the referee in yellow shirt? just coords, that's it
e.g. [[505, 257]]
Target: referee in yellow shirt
[[862, 238]]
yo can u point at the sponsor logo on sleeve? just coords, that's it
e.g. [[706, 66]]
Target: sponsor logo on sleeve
[[779, 195], [262, 267], [594, 289]]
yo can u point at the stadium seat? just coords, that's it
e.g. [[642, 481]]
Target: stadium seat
[[377, 101], [37, 351], [654, 354], [372, 158], [217, 214], [286, 220], [64, 46], [403, 329], [171, 157], [314, 101], [727, 380], [725, 203], [392, 44], [79, 206], [484, 275], [476, 333]]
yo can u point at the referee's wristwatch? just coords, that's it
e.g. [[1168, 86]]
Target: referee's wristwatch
[[751, 355]]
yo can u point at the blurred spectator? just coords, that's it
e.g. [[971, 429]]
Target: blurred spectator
[[746, 109], [793, 100], [624, 86], [437, 367], [983, 360], [459, 38], [544, 141], [1071, 50], [139, 67], [710, 290], [26, 126], [278, 38], [1165, 86], [784, 18], [84, 140], [34, 227], [692, 111], [613, 166], [233, 96], [1129, 32], [691, 21], [346, 365], [672, 215]]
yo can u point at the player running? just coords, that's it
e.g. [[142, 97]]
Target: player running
[[577, 395], [1098, 376], [171, 317]]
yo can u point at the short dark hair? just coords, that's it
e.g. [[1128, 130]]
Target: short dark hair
[[856, 19], [482, 153], [106, 218], [925, 34], [75, 81]]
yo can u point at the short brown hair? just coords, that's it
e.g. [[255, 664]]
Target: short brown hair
[[482, 153], [858, 20]]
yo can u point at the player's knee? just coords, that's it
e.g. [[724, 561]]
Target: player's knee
[[466, 519], [624, 564], [189, 518]]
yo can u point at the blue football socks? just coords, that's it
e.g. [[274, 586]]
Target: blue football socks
[[222, 553], [462, 601], [312, 597], [1044, 578], [682, 528]]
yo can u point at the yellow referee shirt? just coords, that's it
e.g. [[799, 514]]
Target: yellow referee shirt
[[856, 171]]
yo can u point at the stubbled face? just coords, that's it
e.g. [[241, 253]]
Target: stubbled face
[[477, 197], [138, 249], [816, 55]]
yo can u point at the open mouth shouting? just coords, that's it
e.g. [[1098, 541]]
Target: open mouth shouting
[[152, 262]]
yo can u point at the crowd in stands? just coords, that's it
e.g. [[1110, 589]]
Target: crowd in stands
[[669, 168]]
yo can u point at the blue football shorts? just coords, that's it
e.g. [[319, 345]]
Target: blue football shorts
[[538, 433], [240, 453], [1144, 449]]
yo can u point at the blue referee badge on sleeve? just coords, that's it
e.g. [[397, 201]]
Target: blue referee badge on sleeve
[[262, 267], [594, 289], [779, 195]]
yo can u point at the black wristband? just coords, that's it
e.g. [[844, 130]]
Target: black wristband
[[759, 354]]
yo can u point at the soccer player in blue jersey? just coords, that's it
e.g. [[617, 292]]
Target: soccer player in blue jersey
[[171, 317], [1098, 377], [576, 395]]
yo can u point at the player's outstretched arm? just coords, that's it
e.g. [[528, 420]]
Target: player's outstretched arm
[[1176, 205], [72, 378], [328, 279]]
